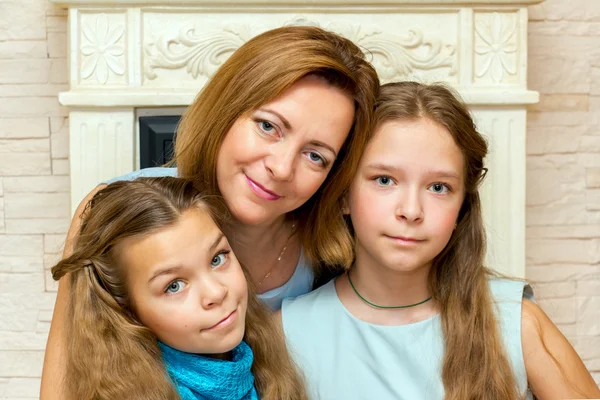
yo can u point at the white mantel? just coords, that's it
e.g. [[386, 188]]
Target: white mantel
[[126, 55]]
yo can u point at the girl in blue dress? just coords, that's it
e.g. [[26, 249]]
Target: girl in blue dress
[[418, 315]]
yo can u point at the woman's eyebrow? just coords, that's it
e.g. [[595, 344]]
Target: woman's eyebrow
[[285, 122]]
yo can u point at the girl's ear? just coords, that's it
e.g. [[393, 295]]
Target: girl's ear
[[345, 207]]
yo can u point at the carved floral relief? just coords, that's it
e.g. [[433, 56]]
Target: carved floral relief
[[201, 53], [102, 49], [496, 45]]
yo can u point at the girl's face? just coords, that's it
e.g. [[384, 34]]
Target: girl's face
[[404, 201], [187, 286], [273, 160]]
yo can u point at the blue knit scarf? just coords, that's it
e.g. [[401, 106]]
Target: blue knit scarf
[[203, 378]]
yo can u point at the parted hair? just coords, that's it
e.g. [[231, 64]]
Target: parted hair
[[110, 354], [257, 73], [475, 364]]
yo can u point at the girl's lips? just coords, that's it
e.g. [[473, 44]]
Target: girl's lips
[[405, 240], [261, 191], [228, 320]]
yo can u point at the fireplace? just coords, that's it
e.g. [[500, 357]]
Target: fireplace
[[125, 56]]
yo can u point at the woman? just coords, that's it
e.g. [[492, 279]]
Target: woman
[[278, 132]]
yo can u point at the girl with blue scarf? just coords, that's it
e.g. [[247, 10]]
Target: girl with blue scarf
[[160, 307]]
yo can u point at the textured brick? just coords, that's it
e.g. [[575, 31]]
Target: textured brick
[[60, 144], [590, 144], [546, 251], [20, 264], [37, 205], [561, 139], [16, 245], [588, 287], [553, 73], [17, 164], [32, 107], [561, 102], [24, 128], [33, 90], [59, 72], [25, 364], [57, 44], [560, 311], [37, 184], [23, 49], [56, 23], [592, 177], [37, 225], [60, 167], [51, 259], [24, 71], [54, 243], [555, 289], [22, 388], [573, 10], [592, 198], [563, 272], [589, 316], [556, 28], [24, 145], [564, 232], [23, 20], [549, 186]]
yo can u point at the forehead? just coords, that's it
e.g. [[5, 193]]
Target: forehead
[[416, 143], [182, 242], [312, 101]]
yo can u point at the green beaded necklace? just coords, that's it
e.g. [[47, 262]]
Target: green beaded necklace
[[376, 306]]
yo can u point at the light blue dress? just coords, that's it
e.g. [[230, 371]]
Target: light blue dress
[[301, 281], [343, 357]]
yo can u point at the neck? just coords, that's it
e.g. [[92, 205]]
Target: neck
[[386, 287], [258, 248]]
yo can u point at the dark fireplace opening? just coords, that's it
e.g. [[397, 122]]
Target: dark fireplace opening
[[157, 136]]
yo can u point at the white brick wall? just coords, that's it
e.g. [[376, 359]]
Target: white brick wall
[[34, 185], [563, 173], [563, 169]]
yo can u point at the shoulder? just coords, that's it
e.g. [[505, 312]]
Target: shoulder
[[299, 310], [144, 173]]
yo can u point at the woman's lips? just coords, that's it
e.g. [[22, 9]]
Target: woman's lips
[[262, 192], [405, 240]]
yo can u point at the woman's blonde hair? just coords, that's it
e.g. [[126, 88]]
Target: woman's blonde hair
[[475, 365], [110, 354], [258, 72]]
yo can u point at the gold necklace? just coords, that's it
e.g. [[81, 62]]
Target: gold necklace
[[280, 255]]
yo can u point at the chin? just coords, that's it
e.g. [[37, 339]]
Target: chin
[[229, 342]]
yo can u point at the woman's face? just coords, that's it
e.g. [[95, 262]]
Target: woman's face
[[274, 159]]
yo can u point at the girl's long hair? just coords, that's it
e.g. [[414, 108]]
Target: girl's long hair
[[110, 354], [257, 73], [475, 365]]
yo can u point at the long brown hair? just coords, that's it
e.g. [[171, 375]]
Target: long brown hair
[[110, 354], [476, 365], [258, 72]]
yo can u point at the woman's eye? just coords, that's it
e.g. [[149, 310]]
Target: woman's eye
[[316, 158], [384, 180], [175, 286], [219, 259], [439, 188], [266, 126]]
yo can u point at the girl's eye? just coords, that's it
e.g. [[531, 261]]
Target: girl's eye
[[439, 188], [219, 259], [175, 287], [384, 180]]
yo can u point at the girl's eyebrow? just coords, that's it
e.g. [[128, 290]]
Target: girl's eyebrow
[[434, 172], [169, 270], [164, 271]]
